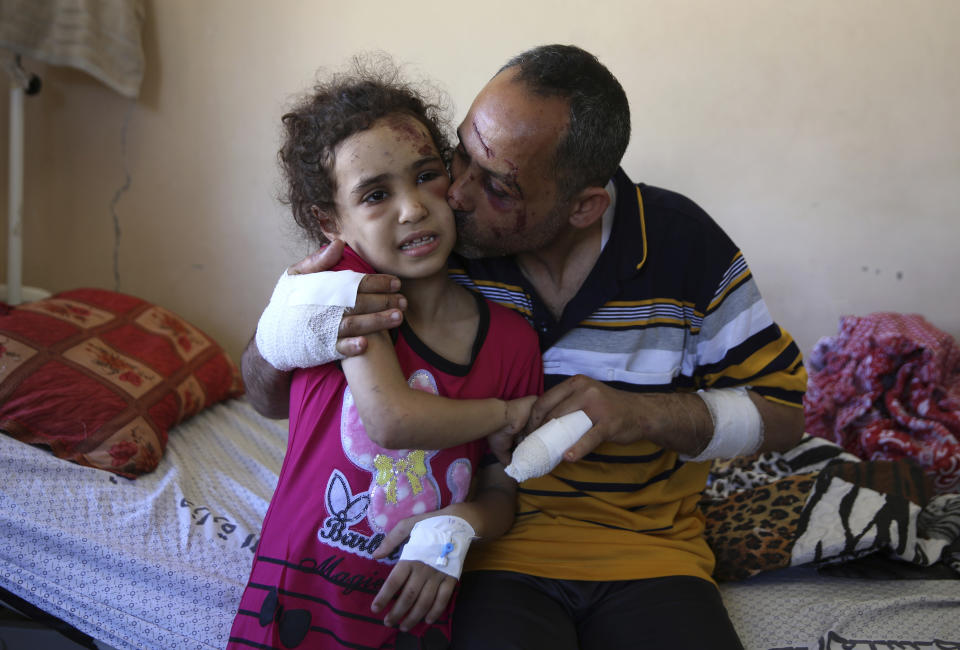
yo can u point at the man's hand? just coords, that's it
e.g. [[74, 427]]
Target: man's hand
[[422, 592], [673, 420], [379, 307]]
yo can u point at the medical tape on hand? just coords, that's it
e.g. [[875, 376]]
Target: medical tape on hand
[[300, 326], [737, 425], [440, 542]]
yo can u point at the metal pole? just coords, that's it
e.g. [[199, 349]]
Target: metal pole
[[15, 196], [21, 84]]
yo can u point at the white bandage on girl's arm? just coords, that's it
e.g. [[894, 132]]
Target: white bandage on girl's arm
[[737, 425], [440, 542], [300, 325]]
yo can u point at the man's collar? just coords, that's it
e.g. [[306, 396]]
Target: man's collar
[[629, 231], [608, 214]]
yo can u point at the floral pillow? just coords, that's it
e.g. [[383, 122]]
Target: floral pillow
[[99, 377]]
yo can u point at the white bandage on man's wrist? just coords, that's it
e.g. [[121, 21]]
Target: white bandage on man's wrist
[[440, 542], [299, 327], [543, 449], [737, 425]]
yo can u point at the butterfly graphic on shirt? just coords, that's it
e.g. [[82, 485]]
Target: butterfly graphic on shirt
[[346, 509]]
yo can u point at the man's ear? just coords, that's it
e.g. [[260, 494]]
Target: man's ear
[[327, 222], [587, 206]]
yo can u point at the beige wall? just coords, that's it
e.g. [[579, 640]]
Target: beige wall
[[823, 136]]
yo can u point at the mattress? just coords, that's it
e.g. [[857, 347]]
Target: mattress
[[156, 562], [799, 607]]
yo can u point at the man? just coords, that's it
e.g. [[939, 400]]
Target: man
[[639, 300]]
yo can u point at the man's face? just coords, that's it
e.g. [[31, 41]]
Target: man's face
[[504, 192]]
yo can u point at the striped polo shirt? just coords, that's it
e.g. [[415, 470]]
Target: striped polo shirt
[[670, 305]]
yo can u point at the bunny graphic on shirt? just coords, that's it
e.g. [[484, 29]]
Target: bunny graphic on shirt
[[402, 482]]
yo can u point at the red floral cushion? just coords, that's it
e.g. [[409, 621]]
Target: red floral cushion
[[99, 377]]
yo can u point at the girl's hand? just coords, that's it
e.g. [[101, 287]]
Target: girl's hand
[[398, 535], [518, 412], [422, 593]]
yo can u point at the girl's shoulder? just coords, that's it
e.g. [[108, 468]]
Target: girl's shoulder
[[509, 326], [351, 261]]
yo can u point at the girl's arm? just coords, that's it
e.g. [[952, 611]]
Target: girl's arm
[[397, 416], [422, 592]]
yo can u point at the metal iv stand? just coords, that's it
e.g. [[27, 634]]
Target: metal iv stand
[[21, 83]]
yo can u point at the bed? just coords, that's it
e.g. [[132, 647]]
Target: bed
[[160, 561], [156, 562], [159, 558]]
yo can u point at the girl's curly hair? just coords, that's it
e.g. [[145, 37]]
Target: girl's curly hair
[[345, 104]]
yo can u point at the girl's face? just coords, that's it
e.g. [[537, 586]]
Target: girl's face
[[391, 198]]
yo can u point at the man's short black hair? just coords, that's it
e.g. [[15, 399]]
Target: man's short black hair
[[599, 129]]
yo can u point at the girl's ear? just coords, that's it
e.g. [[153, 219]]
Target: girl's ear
[[326, 221]]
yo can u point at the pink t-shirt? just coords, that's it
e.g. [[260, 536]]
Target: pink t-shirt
[[313, 579]]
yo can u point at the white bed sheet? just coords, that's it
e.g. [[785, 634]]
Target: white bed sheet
[[158, 562], [798, 608]]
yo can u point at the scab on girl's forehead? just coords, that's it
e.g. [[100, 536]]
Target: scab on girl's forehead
[[410, 129]]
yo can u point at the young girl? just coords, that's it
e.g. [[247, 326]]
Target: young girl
[[376, 451]]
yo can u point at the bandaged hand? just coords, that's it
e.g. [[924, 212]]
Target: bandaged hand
[[440, 542], [424, 578], [517, 414], [543, 449], [300, 325]]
